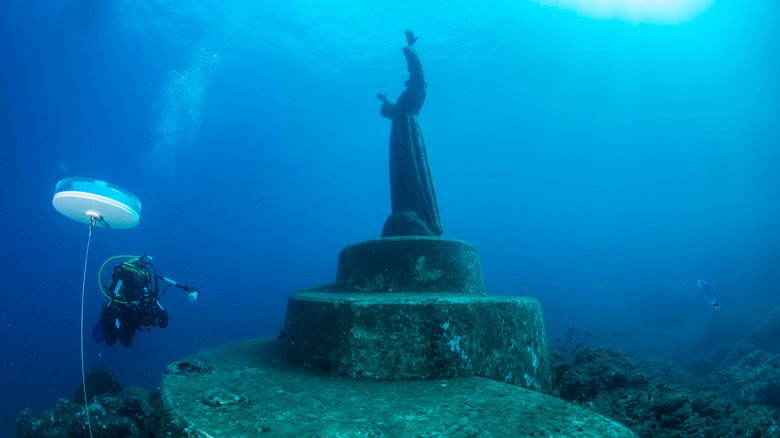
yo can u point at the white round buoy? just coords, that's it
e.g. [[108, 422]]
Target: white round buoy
[[94, 202], [83, 199]]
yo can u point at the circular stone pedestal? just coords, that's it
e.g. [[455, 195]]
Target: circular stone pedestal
[[410, 264], [406, 308], [401, 336]]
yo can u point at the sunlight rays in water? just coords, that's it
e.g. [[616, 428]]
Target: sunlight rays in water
[[668, 12]]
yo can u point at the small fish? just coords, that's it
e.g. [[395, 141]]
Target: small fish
[[709, 294], [260, 199]]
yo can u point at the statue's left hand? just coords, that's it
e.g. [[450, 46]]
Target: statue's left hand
[[382, 97], [410, 38]]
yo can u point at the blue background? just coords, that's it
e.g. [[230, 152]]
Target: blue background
[[608, 165]]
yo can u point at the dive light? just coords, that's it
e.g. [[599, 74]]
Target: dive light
[[193, 295]]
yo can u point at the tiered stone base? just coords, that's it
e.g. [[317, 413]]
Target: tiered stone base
[[401, 336], [407, 308], [410, 264]]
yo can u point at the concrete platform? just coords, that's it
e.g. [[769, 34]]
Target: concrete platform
[[244, 389], [418, 336]]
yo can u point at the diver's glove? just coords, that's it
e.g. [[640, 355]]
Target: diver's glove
[[162, 319], [97, 331]]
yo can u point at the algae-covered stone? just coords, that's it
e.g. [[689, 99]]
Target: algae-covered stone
[[290, 401], [129, 413], [410, 264], [643, 398], [419, 336]]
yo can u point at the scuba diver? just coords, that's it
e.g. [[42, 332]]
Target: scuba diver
[[133, 301]]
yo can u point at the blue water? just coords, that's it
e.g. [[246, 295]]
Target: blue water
[[600, 166]]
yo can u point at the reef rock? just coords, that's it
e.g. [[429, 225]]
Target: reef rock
[[128, 414], [100, 381], [641, 398], [754, 379], [766, 336]]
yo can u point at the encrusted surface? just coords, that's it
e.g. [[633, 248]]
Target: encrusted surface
[[265, 397], [419, 336], [410, 264]]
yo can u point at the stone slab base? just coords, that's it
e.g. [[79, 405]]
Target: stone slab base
[[243, 389], [410, 264], [401, 336]]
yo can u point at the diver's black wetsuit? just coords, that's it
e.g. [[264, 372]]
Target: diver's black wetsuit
[[134, 306]]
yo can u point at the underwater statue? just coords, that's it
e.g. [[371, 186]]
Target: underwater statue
[[413, 201]]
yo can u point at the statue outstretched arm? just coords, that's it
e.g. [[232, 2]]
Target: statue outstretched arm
[[416, 82], [412, 99]]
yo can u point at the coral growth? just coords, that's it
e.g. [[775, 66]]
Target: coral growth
[[129, 414], [100, 381], [657, 401], [113, 412]]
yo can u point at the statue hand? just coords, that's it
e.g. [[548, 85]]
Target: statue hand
[[382, 97], [410, 38]]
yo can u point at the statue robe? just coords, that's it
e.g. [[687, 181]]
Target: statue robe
[[411, 186]]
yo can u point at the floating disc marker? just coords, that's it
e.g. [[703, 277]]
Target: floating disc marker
[[94, 202], [82, 199]]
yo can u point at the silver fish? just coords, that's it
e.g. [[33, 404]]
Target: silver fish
[[708, 293]]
